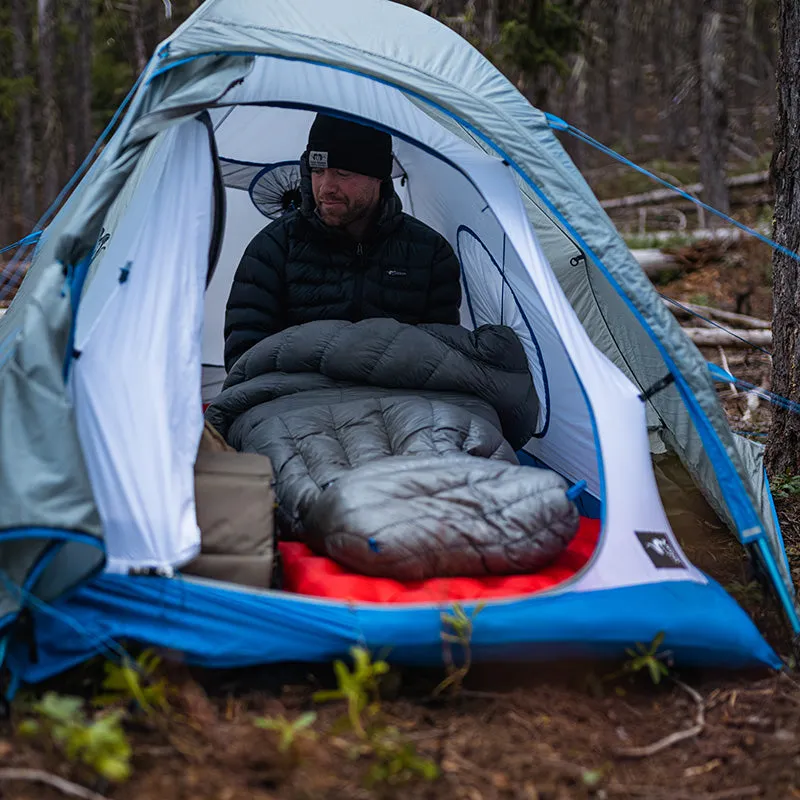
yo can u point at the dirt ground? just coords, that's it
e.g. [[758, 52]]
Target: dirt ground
[[531, 735], [545, 733]]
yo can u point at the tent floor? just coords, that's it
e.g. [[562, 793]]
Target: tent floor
[[317, 576]]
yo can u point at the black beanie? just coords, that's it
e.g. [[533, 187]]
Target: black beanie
[[341, 144]]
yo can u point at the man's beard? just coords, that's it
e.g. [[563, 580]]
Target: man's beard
[[350, 211]]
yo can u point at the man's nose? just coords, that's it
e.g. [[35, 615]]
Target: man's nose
[[327, 181]]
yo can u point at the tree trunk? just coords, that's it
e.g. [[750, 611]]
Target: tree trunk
[[49, 121], [783, 447], [6, 233], [82, 110], [678, 80], [23, 146], [625, 74], [137, 31], [713, 109], [490, 27]]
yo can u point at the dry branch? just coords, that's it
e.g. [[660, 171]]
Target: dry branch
[[657, 195], [658, 793], [741, 320], [718, 337], [673, 738], [54, 781]]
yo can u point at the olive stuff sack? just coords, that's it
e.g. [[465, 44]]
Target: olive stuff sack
[[235, 503]]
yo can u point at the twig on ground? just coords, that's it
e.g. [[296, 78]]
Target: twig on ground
[[724, 359], [673, 738], [658, 793], [40, 776], [483, 695]]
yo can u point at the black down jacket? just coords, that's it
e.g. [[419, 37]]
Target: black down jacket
[[298, 270]]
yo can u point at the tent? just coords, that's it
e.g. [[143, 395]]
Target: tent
[[114, 341]]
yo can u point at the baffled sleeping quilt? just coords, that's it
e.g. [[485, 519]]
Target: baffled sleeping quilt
[[393, 446]]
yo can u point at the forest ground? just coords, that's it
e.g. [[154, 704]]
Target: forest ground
[[533, 732]]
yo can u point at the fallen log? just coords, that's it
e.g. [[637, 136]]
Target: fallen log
[[653, 261], [741, 320], [657, 195], [717, 337]]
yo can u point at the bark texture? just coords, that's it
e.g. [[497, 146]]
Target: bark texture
[[23, 140], [783, 448], [713, 109], [50, 122]]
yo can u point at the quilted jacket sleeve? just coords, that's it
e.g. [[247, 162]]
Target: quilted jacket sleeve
[[444, 298], [256, 301]]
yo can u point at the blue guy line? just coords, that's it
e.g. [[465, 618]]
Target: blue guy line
[[559, 124], [719, 374], [715, 324], [31, 238]]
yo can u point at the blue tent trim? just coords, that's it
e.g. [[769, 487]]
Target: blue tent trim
[[57, 538], [215, 625]]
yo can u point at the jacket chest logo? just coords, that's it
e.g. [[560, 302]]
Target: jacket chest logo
[[396, 273]]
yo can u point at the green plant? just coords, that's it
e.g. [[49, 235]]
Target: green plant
[[460, 626], [289, 731], [100, 744], [647, 657], [786, 486], [135, 681], [359, 688], [395, 760]]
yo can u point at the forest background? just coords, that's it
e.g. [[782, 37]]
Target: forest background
[[687, 86]]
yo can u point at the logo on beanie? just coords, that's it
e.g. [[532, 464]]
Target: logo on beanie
[[318, 159]]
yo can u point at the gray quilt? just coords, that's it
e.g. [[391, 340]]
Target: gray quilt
[[393, 446]]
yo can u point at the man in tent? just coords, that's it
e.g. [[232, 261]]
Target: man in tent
[[348, 253]]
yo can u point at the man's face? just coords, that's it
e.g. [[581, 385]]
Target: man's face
[[344, 197]]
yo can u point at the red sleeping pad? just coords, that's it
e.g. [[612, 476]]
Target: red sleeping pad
[[306, 573]]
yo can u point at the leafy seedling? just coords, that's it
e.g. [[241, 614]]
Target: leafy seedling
[[289, 731], [100, 744], [397, 761], [647, 657], [135, 682], [786, 486], [359, 688], [458, 631]]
